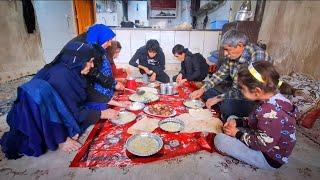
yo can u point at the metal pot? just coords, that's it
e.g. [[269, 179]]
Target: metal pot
[[243, 15]]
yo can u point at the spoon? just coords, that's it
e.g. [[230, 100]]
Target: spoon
[[141, 92]]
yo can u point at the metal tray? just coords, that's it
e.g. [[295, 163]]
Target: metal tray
[[177, 121], [121, 121], [143, 140], [193, 103]]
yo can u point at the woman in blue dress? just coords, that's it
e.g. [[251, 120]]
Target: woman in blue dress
[[100, 96], [50, 111]]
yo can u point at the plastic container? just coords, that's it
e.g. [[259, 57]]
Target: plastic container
[[218, 24], [131, 83]]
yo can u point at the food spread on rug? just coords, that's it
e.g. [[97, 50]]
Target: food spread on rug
[[105, 145]]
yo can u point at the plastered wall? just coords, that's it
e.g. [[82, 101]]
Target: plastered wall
[[20, 52], [291, 30]]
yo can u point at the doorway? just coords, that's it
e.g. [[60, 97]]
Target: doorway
[[84, 14]]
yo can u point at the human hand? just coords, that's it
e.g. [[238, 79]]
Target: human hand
[[179, 78], [197, 94], [124, 104], [230, 124], [146, 70], [212, 101], [120, 86], [153, 77], [122, 80], [109, 114], [230, 130], [182, 81]]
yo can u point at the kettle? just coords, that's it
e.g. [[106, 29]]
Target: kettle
[[245, 13]]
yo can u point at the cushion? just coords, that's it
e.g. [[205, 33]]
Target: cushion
[[308, 101]]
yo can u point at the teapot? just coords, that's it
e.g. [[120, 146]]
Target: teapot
[[243, 15]]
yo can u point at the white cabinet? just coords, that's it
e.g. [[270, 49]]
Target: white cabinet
[[182, 37], [153, 35], [211, 42], [123, 37], [167, 43], [197, 41], [138, 39]]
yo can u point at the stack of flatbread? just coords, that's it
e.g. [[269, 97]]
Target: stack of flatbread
[[200, 120], [144, 125]]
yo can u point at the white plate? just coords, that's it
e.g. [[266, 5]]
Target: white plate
[[146, 110], [144, 144], [193, 103], [136, 106], [124, 118], [149, 89], [145, 98]]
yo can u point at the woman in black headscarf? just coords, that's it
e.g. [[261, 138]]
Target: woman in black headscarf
[[49, 110]]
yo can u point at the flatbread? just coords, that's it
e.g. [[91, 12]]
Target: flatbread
[[200, 113], [208, 124], [124, 117], [144, 125]]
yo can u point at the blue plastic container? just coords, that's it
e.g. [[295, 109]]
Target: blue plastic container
[[218, 24]]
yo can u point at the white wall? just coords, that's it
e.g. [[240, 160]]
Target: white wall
[[221, 13], [137, 10], [181, 16], [56, 24]]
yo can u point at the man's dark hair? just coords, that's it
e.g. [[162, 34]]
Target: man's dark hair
[[153, 45], [178, 49]]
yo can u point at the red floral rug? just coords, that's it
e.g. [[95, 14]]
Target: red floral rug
[[105, 145]]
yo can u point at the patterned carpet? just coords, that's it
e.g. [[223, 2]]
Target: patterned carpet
[[306, 101], [308, 85]]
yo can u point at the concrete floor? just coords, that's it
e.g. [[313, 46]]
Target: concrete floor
[[304, 163]]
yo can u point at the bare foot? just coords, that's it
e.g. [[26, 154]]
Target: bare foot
[[70, 145]]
